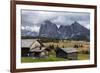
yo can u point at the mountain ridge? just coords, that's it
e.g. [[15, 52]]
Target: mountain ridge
[[64, 31], [49, 29]]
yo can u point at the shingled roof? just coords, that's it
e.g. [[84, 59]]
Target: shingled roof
[[27, 43], [69, 50]]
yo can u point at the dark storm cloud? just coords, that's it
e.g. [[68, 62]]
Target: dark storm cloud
[[35, 18]]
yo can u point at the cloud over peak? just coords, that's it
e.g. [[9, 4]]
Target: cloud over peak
[[32, 19]]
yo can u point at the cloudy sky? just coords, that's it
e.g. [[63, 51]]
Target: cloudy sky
[[31, 20]]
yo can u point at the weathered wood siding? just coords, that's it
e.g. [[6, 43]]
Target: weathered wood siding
[[60, 53], [72, 56]]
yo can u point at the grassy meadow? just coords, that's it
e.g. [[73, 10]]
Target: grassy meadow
[[83, 53]]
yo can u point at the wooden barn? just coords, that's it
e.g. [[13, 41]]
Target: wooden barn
[[68, 53], [32, 48]]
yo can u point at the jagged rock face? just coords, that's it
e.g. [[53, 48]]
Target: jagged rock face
[[73, 30], [80, 32], [65, 31], [48, 29], [79, 29]]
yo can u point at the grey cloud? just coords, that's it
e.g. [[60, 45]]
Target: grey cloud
[[35, 18]]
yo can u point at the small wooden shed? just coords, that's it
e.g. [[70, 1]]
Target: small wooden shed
[[68, 53], [33, 48]]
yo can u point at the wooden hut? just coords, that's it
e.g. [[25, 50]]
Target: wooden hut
[[32, 48], [68, 53]]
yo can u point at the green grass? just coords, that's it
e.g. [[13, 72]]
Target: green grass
[[83, 56], [51, 58]]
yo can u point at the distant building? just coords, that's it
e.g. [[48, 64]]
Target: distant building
[[68, 53], [32, 48]]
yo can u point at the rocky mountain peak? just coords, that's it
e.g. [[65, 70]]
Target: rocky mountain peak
[[75, 23], [64, 31], [47, 22], [49, 29]]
